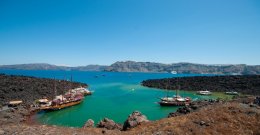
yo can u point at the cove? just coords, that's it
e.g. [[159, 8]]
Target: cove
[[116, 95]]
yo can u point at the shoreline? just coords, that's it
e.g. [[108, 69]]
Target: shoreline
[[240, 107]]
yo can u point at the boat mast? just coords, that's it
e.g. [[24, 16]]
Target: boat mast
[[70, 82], [177, 87], [167, 89], [55, 91]]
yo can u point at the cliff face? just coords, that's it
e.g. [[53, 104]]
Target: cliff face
[[131, 66]]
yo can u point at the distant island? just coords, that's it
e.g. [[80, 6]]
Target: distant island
[[132, 66]]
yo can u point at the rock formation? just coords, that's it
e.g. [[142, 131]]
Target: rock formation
[[108, 124], [134, 119], [89, 124]]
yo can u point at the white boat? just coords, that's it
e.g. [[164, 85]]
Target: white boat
[[231, 93], [174, 72], [82, 90], [204, 92], [174, 100]]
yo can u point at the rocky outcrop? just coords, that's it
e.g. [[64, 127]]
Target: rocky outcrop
[[246, 84], [231, 117], [257, 101], [89, 124], [28, 89], [14, 115], [134, 119], [109, 124], [193, 106]]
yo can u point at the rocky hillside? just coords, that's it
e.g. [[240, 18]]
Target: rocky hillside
[[237, 117], [29, 89], [131, 66], [246, 84], [44, 66], [220, 119]]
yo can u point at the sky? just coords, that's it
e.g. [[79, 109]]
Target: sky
[[82, 32]]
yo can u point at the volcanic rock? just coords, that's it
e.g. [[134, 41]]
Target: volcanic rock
[[89, 124], [134, 119], [108, 124]]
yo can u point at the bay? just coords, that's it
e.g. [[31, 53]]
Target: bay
[[116, 95]]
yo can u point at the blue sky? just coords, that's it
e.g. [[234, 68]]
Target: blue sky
[[81, 32]]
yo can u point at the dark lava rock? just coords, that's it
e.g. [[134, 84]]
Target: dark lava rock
[[246, 84], [134, 119], [257, 101], [109, 124], [28, 89], [181, 111], [195, 105], [89, 124]]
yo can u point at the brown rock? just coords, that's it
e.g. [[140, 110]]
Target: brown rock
[[109, 124], [134, 119], [89, 123]]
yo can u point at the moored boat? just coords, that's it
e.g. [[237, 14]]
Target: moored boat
[[176, 100], [173, 72], [60, 106], [82, 90], [61, 102], [204, 92], [69, 99], [231, 93]]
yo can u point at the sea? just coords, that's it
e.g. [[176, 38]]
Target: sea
[[115, 96]]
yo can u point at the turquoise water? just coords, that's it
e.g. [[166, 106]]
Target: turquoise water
[[116, 95]]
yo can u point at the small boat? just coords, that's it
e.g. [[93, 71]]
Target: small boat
[[174, 72], [15, 103], [205, 92], [231, 93], [82, 90]]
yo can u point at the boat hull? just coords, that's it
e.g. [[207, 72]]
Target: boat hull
[[62, 106], [173, 103]]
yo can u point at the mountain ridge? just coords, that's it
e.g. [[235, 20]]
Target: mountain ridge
[[132, 66]]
